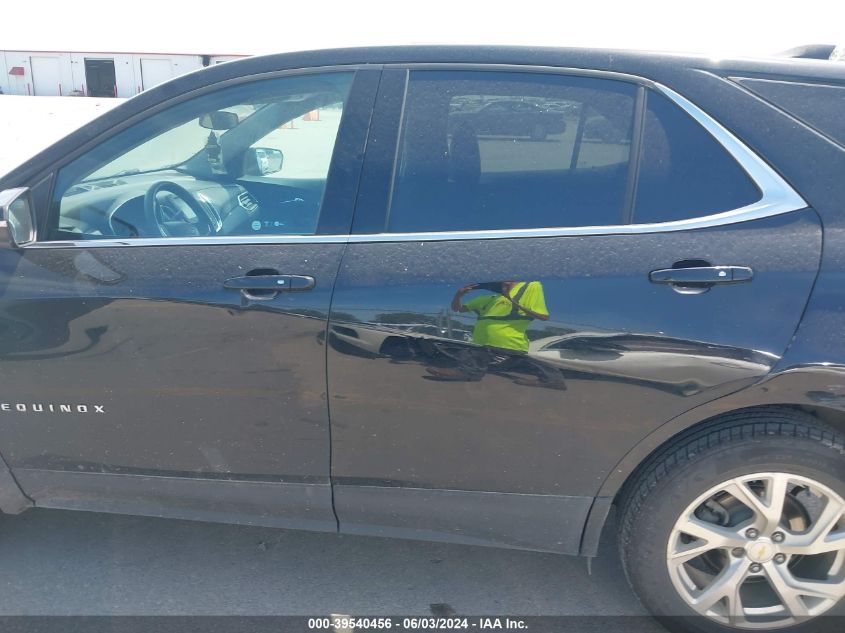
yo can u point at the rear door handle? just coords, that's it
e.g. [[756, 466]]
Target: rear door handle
[[270, 283], [702, 275]]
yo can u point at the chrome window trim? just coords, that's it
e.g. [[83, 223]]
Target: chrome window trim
[[519, 68], [215, 240], [777, 196]]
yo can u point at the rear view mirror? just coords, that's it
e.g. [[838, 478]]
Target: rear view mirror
[[220, 120], [260, 161], [17, 225]]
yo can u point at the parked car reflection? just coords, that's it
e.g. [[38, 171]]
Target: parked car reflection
[[505, 328], [511, 118], [667, 363]]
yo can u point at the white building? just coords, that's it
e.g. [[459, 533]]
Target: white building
[[94, 74]]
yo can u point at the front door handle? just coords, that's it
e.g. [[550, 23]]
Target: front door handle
[[266, 286], [702, 275]]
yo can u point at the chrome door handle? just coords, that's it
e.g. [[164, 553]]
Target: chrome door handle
[[702, 275], [265, 287], [270, 282]]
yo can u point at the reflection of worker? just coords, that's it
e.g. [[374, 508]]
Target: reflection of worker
[[503, 318], [500, 330]]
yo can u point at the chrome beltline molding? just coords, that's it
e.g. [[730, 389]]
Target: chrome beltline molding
[[777, 197]]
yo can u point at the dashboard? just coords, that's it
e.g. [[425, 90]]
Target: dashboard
[[115, 207]]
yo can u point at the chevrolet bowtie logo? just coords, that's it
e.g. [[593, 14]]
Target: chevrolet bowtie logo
[[35, 407]]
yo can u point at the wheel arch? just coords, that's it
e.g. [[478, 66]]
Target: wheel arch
[[816, 390]]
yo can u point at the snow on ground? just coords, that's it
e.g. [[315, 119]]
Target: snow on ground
[[29, 124]]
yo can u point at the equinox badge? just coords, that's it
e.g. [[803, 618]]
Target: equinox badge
[[34, 407]]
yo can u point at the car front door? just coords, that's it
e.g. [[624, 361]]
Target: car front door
[[512, 317], [162, 342]]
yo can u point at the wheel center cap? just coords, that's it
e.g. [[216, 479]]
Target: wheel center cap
[[761, 551]]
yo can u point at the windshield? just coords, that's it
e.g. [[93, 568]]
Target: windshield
[[169, 149]]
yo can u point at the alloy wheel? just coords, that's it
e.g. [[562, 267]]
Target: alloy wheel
[[763, 550]]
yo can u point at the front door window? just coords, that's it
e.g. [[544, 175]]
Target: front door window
[[246, 160]]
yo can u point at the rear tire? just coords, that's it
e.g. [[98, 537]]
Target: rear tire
[[763, 491]]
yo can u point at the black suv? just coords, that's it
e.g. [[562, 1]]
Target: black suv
[[481, 295]]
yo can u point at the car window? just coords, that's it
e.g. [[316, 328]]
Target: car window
[[306, 142], [171, 147], [684, 172], [244, 160], [505, 150]]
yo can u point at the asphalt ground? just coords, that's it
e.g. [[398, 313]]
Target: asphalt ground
[[86, 564]]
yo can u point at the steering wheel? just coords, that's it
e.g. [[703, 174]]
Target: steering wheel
[[171, 222]]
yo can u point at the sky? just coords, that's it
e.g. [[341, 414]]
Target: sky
[[718, 28]]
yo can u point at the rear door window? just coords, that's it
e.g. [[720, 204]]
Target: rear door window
[[502, 150], [684, 172]]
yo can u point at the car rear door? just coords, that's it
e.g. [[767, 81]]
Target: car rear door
[[656, 264], [156, 374]]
